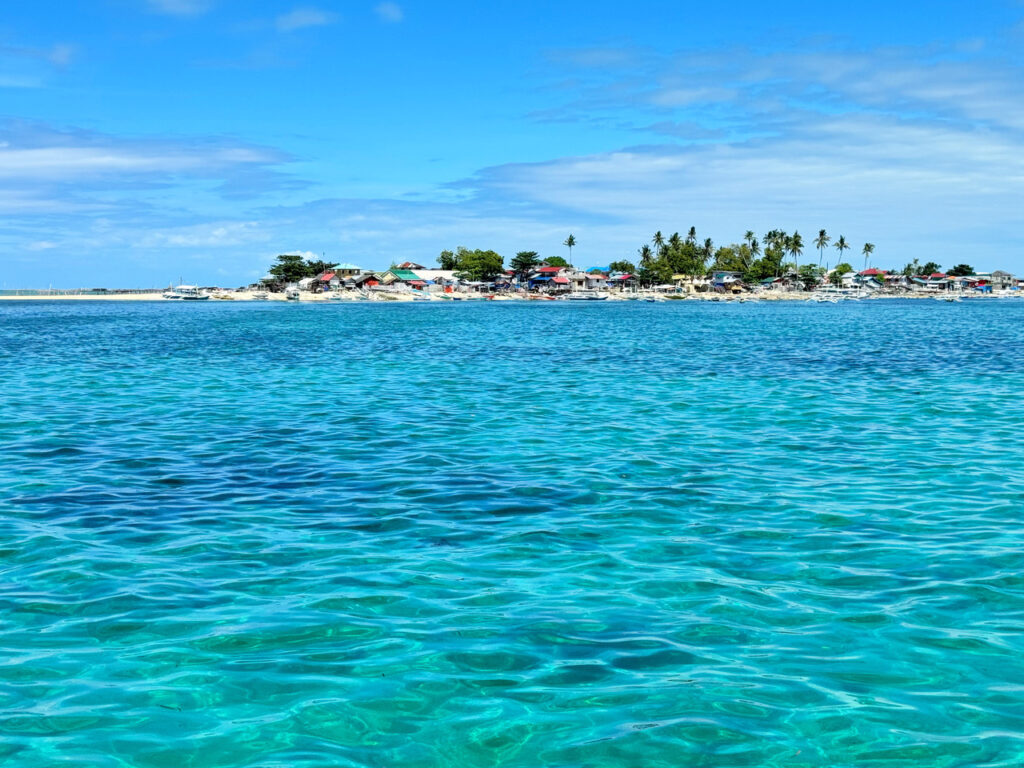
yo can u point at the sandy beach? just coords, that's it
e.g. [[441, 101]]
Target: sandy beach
[[397, 297]]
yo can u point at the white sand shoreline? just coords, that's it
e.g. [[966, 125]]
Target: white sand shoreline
[[308, 297]]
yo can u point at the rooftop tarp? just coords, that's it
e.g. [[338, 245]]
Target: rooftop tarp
[[560, 280], [405, 274]]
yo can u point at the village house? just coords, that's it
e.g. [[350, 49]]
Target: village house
[[436, 280], [723, 282], [399, 276], [549, 279]]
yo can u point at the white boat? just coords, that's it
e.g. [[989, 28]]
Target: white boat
[[586, 296], [292, 293], [261, 296], [187, 293]]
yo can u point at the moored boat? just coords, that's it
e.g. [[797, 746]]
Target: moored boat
[[189, 293], [586, 296]]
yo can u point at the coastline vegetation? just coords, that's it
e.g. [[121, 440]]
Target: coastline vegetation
[[665, 259]]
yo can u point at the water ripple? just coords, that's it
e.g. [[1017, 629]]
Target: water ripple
[[507, 534]]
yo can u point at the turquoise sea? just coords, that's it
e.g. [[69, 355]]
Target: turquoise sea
[[501, 534]]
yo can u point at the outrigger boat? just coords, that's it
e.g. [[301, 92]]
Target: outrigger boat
[[187, 293]]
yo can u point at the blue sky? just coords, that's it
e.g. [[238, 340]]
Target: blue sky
[[146, 140]]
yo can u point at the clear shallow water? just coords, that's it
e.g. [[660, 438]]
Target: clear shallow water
[[501, 534]]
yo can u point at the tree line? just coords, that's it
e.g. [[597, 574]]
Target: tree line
[[755, 259]]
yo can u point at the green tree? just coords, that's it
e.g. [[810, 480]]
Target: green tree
[[625, 267], [478, 265], [839, 271], [646, 257], [291, 267], [524, 263], [774, 250], [821, 243], [960, 270], [913, 268], [930, 268], [691, 236], [869, 248], [659, 242], [732, 258], [795, 247], [752, 243], [556, 261], [810, 276], [570, 241], [841, 245], [447, 260], [318, 267]]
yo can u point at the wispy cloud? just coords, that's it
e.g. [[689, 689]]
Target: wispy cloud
[[46, 170], [920, 151], [180, 7], [389, 12], [302, 18], [31, 67]]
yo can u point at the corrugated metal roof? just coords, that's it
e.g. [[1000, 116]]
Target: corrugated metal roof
[[404, 274]]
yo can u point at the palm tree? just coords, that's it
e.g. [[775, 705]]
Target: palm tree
[[776, 239], [570, 241], [841, 246], [795, 246], [659, 242], [822, 241], [645, 257], [691, 236], [869, 248], [523, 263]]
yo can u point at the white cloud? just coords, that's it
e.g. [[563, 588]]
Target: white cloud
[[180, 7], [220, 234], [20, 81], [302, 18], [70, 161], [389, 12], [29, 67]]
